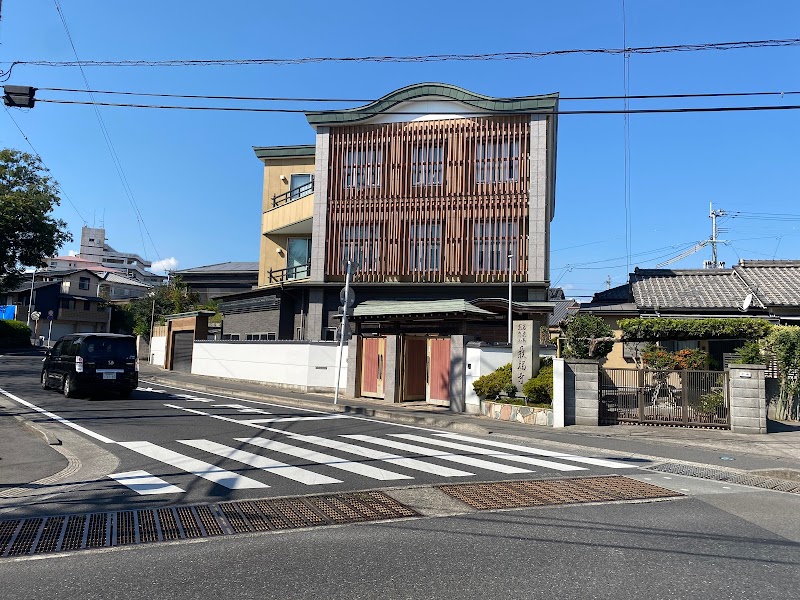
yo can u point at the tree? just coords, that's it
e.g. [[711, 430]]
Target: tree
[[169, 300], [587, 336], [28, 232]]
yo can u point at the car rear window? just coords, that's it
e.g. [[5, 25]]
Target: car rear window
[[116, 348]]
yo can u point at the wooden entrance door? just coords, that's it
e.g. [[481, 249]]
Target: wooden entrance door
[[373, 366], [438, 385], [415, 364]]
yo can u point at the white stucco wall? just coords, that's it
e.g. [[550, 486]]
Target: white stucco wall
[[296, 365], [158, 350], [481, 361]]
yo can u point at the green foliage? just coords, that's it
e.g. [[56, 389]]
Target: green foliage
[[711, 402], [539, 389], [655, 357], [641, 329], [587, 336], [169, 300], [490, 385], [511, 390], [751, 354], [28, 232], [784, 343], [14, 334]]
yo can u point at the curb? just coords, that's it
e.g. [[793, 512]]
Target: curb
[[42, 432], [363, 411]]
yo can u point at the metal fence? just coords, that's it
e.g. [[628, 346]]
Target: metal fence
[[687, 398]]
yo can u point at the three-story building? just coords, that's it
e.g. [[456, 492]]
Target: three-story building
[[434, 196]]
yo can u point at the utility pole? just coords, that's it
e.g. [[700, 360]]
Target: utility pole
[[713, 214]]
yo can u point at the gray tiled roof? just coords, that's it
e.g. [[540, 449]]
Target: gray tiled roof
[[697, 288], [561, 310], [382, 308], [226, 267], [775, 282]]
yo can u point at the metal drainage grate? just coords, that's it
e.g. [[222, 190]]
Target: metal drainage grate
[[519, 494], [780, 485], [40, 535]]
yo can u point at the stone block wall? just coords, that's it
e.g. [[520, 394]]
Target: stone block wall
[[575, 391], [748, 399]]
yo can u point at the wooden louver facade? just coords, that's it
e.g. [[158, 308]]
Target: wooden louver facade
[[429, 201]]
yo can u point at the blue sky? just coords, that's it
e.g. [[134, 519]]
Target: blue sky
[[197, 182]]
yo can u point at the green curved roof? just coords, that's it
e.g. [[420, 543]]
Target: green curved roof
[[523, 104]]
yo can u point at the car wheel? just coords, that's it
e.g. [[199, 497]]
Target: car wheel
[[69, 387], [44, 381]]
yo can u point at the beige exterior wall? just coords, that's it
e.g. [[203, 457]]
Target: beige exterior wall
[[71, 284], [283, 216]]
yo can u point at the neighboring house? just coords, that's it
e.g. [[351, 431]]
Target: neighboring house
[[768, 289], [117, 287], [212, 281], [425, 192], [72, 311]]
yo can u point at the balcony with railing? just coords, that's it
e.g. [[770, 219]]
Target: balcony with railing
[[293, 195], [289, 273]]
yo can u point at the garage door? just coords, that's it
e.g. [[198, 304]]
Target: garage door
[[182, 345]]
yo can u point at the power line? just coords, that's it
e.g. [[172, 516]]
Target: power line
[[115, 158], [631, 111], [367, 100], [39, 156], [490, 56], [626, 132]]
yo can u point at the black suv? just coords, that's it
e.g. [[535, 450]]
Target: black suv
[[92, 362]]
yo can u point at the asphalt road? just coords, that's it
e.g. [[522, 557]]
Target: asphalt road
[[690, 548], [182, 447]]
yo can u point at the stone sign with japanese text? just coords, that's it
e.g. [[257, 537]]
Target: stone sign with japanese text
[[522, 359]]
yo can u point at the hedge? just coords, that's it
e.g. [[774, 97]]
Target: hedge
[[635, 330], [14, 334]]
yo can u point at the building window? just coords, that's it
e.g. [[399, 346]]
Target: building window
[[363, 168], [300, 185], [425, 252], [493, 242], [83, 283], [330, 334], [263, 337], [233, 337], [497, 161], [427, 164], [87, 305], [271, 336], [67, 303], [52, 264], [360, 244]]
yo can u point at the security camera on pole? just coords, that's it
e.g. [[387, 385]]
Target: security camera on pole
[[347, 297]]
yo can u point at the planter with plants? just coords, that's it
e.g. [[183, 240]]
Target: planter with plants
[[501, 400]]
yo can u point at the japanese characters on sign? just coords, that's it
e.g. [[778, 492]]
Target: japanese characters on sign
[[522, 359]]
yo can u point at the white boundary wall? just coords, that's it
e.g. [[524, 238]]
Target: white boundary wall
[[482, 360], [303, 366], [158, 350]]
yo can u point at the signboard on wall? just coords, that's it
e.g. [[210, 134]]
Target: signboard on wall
[[8, 312], [522, 360]]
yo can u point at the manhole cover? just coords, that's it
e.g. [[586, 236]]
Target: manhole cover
[[519, 494]]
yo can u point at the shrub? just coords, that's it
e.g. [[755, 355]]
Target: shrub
[[14, 334], [658, 358], [751, 354], [587, 336], [710, 403], [539, 389], [660, 328], [511, 390], [490, 385]]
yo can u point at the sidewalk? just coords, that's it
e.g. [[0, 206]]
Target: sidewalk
[[781, 446]]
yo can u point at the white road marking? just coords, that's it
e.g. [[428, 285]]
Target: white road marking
[[194, 466], [422, 451], [242, 408], [59, 419], [289, 419], [325, 459], [600, 462], [494, 453], [190, 398], [410, 463], [261, 462], [144, 483]]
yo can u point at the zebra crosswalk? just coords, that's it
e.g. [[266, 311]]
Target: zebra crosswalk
[[388, 458]]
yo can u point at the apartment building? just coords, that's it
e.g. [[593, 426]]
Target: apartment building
[[96, 250], [426, 193]]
